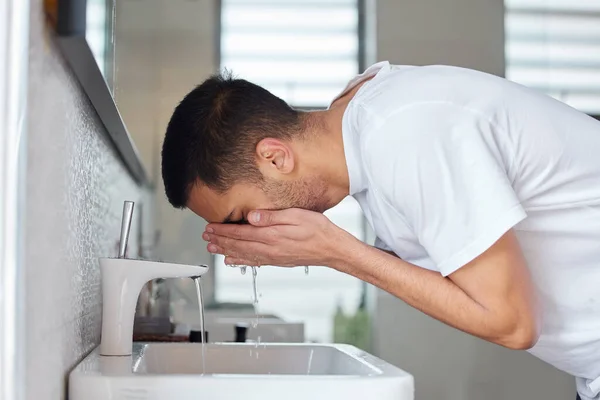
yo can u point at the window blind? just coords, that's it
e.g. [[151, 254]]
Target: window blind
[[303, 51], [554, 46]]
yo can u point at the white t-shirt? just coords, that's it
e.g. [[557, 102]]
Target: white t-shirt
[[445, 160]]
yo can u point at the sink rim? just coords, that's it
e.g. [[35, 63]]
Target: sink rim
[[91, 366]]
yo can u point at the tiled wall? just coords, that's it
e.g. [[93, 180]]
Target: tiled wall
[[75, 189]]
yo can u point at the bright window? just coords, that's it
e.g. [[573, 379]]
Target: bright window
[[304, 51], [554, 46]]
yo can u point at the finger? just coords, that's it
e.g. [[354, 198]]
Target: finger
[[239, 248], [228, 243], [214, 249], [229, 230], [291, 216], [239, 232]]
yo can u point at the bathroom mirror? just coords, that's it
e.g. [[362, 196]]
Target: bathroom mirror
[[89, 37]]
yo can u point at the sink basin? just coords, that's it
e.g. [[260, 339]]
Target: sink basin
[[235, 371]]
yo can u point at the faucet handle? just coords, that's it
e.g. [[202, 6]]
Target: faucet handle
[[125, 227]]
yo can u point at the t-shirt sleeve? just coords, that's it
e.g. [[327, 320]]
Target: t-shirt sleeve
[[444, 169], [380, 244]]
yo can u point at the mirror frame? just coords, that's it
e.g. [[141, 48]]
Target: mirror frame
[[71, 30]]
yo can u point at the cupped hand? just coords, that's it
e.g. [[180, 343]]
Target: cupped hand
[[285, 238]]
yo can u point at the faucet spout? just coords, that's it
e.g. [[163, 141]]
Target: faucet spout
[[122, 281]]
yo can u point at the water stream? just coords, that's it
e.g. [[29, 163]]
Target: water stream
[[198, 283], [254, 273]]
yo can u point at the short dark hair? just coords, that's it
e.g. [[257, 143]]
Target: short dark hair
[[213, 133]]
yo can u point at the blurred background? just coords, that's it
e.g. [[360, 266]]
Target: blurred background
[[76, 157]]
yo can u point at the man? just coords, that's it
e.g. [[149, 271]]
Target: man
[[484, 195]]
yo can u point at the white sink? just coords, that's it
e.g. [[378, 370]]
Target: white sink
[[238, 372]]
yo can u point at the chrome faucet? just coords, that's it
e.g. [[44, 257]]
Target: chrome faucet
[[122, 281]]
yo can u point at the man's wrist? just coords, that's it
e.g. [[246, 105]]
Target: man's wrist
[[344, 251]]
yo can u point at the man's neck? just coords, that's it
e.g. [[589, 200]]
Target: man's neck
[[323, 151], [332, 138]]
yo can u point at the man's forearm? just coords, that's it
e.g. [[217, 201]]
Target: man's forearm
[[425, 290], [491, 297]]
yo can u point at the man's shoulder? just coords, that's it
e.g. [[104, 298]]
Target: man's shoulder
[[400, 140], [401, 87]]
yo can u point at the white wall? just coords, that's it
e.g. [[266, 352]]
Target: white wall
[[75, 189], [449, 364], [465, 33]]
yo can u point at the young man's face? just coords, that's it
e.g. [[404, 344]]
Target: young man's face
[[234, 205]]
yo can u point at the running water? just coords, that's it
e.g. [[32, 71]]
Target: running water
[[198, 284], [254, 273], [255, 296]]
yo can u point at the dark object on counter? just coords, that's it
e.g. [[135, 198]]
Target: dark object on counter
[[152, 325], [196, 338], [150, 337], [241, 330]]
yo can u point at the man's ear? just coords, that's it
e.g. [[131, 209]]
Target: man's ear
[[274, 157]]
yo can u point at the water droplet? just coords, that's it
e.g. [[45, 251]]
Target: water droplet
[[243, 269], [306, 270]]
